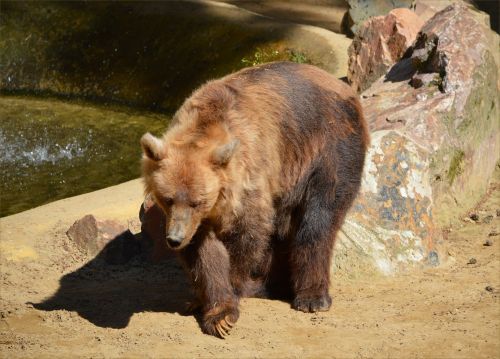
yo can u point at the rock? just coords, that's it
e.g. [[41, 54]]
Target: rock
[[153, 229], [493, 234], [108, 238], [434, 148], [362, 10], [489, 288], [453, 120], [488, 243], [379, 43], [472, 261], [433, 259]]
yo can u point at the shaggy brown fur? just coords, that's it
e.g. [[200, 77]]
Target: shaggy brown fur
[[255, 176]]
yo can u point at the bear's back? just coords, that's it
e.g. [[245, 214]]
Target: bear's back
[[284, 115], [297, 110]]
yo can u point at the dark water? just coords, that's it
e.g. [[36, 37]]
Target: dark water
[[52, 149]]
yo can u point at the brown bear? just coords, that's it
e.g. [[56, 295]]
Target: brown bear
[[255, 175]]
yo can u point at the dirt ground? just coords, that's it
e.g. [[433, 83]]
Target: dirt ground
[[59, 302]]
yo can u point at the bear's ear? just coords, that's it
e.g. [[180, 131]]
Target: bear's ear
[[222, 154], [152, 147]]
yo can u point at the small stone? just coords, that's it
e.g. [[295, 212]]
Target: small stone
[[488, 243], [433, 259], [489, 288], [493, 234], [474, 217], [472, 261]]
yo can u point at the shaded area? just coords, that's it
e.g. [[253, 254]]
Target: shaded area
[[492, 8], [149, 54], [327, 14], [108, 295]]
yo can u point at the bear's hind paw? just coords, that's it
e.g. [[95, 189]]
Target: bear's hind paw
[[312, 304]]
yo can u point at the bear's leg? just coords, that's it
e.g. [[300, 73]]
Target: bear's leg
[[319, 218], [207, 263]]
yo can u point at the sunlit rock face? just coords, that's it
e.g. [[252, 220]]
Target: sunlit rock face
[[435, 142]]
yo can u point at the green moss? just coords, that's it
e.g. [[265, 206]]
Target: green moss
[[274, 52], [456, 166]]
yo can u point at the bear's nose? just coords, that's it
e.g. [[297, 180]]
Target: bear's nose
[[174, 242]]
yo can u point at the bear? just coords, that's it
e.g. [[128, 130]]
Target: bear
[[254, 177]]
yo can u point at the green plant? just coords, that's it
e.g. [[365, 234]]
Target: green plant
[[271, 53]]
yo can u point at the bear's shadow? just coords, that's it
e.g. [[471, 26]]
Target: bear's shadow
[[108, 295]]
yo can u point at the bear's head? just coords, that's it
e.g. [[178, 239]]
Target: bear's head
[[185, 171]]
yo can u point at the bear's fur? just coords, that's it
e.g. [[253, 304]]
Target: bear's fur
[[255, 175]]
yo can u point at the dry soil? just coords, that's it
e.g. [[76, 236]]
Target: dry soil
[[58, 302]]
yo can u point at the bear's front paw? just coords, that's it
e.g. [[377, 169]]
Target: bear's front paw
[[219, 322], [312, 303]]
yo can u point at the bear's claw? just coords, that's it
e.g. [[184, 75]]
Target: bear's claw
[[224, 327], [221, 324]]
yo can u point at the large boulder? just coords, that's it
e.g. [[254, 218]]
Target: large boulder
[[379, 43], [435, 128]]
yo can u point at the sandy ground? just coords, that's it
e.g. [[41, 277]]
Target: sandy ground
[[58, 302]]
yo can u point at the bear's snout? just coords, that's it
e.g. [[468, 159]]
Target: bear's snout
[[174, 242], [175, 236]]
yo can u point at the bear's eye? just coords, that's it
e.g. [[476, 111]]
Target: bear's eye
[[194, 204], [168, 201]]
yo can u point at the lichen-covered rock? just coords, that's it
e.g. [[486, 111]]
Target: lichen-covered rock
[[435, 128], [362, 10], [391, 221], [379, 43]]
